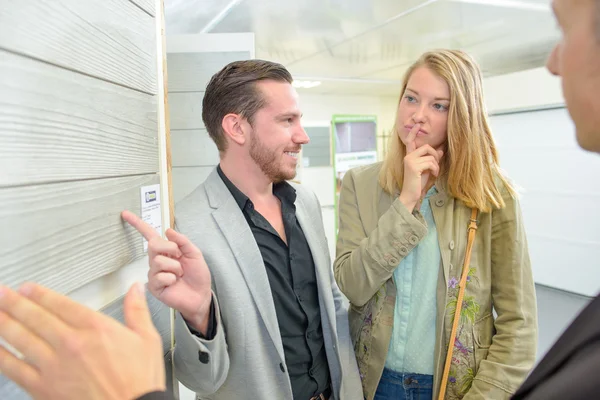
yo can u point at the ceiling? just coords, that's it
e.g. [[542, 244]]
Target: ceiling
[[364, 46]]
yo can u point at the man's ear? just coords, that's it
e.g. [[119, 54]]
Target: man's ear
[[233, 127]]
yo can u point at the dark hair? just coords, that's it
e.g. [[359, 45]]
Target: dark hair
[[233, 90]]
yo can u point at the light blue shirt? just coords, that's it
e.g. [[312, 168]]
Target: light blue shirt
[[413, 336]]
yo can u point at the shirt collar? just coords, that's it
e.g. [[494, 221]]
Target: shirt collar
[[283, 190]]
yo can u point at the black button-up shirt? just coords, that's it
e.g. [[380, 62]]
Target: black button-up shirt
[[291, 272]]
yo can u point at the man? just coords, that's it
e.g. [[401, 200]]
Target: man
[[71, 352], [570, 369], [259, 313]]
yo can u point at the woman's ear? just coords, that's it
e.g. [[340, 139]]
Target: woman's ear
[[232, 125]]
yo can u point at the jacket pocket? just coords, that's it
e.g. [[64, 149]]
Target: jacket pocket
[[483, 331]]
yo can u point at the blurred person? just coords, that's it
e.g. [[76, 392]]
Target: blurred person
[[569, 370], [70, 352]]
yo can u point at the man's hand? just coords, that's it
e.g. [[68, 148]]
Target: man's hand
[[71, 352], [178, 275]]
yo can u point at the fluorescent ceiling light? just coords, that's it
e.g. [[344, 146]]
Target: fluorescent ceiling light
[[523, 5], [305, 84]]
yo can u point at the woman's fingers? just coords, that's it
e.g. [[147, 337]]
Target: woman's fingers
[[426, 150]]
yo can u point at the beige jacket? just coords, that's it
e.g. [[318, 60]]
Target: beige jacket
[[376, 232]]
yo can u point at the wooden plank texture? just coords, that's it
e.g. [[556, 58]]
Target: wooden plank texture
[[65, 235], [147, 5], [193, 148], [190, 72], [186, 110], [57, 125], [161, 319], [77, 35]]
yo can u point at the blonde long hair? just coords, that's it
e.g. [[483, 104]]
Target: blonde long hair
[[470, 165]]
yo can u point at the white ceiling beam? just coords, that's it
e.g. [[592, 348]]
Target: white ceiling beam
[[220, 16], [522, 5]]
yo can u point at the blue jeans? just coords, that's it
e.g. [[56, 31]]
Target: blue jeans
[[404, 386]]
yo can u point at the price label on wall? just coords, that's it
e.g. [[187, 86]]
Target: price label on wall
[[151, 209]]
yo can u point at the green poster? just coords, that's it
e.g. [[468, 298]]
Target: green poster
[[354, 143]]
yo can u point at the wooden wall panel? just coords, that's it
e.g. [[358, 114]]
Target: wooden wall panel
[[190, 72], [65, 235], [186, 110], [57, 125], [147, 5], [161, 318], [110, 39], [193, 148]]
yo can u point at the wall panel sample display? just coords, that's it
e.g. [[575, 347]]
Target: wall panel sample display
[[64, 235], [82, 129], [58, 125], [111, 39]]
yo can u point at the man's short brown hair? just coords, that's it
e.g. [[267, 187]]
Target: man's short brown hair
[[233, 90]]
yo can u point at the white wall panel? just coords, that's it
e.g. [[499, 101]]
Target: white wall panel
[[186, 179], [65, 235], [186, 110], [560, 191], [147, 5], [110, 39], [57, 125], [193, 148], [190, 72], [192, 60]]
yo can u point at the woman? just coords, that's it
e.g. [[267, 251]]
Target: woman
[[401, 246]]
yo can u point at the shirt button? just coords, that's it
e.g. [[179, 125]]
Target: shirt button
[[439, 202], [451, 245], [281, 367], [403, 250], [203, 357], [413, 239], [393, 261]]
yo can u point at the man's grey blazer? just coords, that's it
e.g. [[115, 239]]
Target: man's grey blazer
[[245, 359]]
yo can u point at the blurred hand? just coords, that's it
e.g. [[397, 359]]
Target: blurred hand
[[178, 275], [72, 352], [420, 164]]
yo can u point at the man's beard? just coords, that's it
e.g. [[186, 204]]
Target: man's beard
[[268, 161]]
